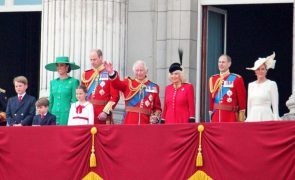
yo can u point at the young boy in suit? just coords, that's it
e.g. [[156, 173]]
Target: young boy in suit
[[20, 108], [43, 117]]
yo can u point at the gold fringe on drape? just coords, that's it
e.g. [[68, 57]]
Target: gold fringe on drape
[[200, 175]]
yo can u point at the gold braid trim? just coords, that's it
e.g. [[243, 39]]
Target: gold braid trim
[[94, 75], [90, 80], [134, 90], [108, 107], [216, 86]]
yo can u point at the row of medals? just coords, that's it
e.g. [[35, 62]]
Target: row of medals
[[229, 93], [102, 92], [102, 84]]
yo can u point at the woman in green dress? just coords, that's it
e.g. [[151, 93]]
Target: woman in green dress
[[62, 89]]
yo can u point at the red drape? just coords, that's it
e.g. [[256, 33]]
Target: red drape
[[255, 151]]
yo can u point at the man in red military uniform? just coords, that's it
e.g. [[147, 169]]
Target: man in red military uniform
[[227, 94], [142, 102], [100, 90]]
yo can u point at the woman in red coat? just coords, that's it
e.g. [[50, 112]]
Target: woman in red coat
[[179, 105]]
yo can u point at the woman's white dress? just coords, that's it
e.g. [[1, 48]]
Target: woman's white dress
[[86, 116], [263, 100]]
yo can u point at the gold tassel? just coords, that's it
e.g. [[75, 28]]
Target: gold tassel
[[199, 161], [92, 156], [92, 160]]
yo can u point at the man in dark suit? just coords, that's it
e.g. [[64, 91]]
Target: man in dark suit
[[20, 108], [44, 117]]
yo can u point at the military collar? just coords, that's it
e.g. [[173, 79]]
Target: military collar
[[224, 74], [100, 68], [141, 81]]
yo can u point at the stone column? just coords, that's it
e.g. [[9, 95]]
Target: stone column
[[176, 28], [74, 27], [156, 29], [291, 102]]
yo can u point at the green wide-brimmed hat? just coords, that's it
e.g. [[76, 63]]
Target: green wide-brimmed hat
[[64, 60]]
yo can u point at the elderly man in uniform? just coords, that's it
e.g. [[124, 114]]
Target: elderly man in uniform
[[142, 102], [227, 94], [100, 90]]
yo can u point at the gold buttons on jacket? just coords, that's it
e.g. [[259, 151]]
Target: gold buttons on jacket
[[173, 99]]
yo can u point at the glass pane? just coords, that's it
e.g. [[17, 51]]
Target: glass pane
[[27, 2], [2, 2]]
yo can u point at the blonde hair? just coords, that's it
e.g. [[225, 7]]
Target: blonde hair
[[182, 76]]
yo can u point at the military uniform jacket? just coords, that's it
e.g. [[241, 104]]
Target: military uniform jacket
[[103, 96], [141, 99], [226, 92], [20, 112], [49, 119]]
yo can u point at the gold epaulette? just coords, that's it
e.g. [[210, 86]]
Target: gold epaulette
[[2, 90], [214, 87], [93, 76], [133, 90]]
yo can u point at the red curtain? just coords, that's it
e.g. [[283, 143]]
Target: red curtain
[[263, 150]]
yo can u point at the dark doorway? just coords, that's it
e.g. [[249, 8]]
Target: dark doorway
[[256, 31], [20, 35]]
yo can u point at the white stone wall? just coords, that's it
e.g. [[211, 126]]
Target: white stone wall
[[74, 27], [156, 29]]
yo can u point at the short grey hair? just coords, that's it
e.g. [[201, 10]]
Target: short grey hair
[[228, 58], [139, 62]]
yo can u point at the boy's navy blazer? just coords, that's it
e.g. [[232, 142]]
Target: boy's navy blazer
[[20, 112], [49, 119]]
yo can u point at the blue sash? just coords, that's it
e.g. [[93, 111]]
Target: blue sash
[[138, 97], [224, 90], [92, 87]]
